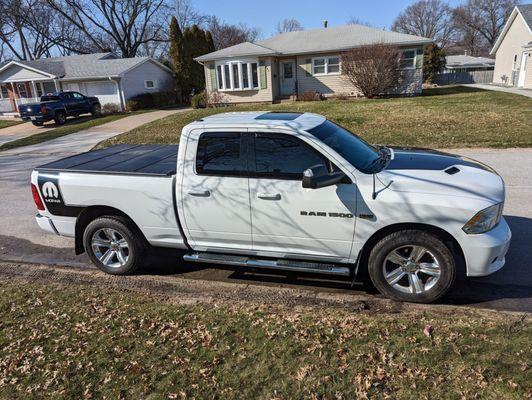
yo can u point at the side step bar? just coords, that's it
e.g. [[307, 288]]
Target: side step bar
[[285, 265]]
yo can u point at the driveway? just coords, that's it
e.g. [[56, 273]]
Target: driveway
[[21, 240], [21, 131], [507, 89]]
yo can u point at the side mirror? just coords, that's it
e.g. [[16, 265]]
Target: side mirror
[[318, 177]]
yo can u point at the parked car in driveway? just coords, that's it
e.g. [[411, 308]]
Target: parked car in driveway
[[283, 191], [58, 107]]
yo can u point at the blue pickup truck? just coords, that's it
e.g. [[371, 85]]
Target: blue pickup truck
[[58, 106]]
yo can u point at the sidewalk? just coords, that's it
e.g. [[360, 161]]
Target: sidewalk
[[506, 89]]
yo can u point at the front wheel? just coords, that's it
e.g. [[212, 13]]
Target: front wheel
[[114, 245], [412, 265]]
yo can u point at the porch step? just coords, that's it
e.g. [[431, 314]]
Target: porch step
[[280, 264]]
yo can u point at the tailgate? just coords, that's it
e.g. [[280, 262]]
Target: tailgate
[[28, 110]]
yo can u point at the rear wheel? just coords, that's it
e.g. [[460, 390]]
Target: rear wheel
[[114, 245], [96, 109], [60, 118], [412, 265]]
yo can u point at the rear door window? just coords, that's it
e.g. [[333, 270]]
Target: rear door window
[[221, 153]]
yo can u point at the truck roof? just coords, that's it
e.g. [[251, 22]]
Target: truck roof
[[294, 120]]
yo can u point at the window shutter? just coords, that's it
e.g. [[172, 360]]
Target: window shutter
[[262, 72], [308, 67], [212, 74]]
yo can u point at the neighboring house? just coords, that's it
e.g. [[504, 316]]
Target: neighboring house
[[513, 49], [466, 69], [104, 75], [297, 62]]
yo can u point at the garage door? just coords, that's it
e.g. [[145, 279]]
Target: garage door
[[105, 91]]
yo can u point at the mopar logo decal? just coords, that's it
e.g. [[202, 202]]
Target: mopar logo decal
[[50, 190]]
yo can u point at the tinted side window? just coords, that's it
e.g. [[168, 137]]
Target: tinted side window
[[284, 157], [78, 96], [220, 154]]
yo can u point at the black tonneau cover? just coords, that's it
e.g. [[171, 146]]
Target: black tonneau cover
[[149, 159]]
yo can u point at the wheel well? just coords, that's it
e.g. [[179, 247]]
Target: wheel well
[[88, 215], [445, 236]]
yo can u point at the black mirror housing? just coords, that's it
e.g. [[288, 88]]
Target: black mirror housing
[[318, 177]]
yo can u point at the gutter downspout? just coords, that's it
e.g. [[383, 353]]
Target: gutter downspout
[[120, 93]]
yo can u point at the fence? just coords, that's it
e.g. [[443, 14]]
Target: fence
[[464, 77]]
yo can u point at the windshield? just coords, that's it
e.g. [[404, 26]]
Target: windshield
[[359, 153]]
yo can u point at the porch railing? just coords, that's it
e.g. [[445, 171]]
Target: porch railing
[[5, 106], [27, 100]]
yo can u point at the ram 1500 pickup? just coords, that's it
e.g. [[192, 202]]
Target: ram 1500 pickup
[[285, 191], [58, 107]]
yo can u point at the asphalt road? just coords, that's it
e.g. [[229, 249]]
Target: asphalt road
[[21, 239]]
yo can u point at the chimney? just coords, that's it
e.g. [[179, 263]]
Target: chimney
[[325, 23]]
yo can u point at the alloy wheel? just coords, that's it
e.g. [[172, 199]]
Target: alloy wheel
[[110, 247]]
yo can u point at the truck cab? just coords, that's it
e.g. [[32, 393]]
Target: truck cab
[[288, 191]]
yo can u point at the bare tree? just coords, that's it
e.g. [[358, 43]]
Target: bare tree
[[289, 25], [124, 25], [187, 15], [427, 18], [225, 35], [358, 21], [374, 70], [18, 33], [487, 17]]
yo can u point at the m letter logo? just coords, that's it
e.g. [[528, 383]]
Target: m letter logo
[[50, 190]]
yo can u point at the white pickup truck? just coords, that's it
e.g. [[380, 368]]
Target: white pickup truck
[[286, 191]]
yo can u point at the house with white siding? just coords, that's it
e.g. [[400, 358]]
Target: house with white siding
[[513, 49], [104, 75], [293, 63]]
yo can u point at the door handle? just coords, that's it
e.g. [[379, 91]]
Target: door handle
[[201, 193], [269, 196]]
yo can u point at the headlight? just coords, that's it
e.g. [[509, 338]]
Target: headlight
[[484, 220]]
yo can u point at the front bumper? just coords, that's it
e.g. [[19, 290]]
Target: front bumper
[[486, 253]]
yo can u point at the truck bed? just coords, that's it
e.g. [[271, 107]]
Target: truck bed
[[153, 160]]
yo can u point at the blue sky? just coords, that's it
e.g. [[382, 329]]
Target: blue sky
[[266, 13]]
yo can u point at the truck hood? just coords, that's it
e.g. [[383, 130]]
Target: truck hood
[[435, 172]]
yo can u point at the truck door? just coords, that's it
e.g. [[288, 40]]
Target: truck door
[[288, 219], [70, 103], [215, 191]]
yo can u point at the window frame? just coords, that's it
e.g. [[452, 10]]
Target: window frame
[[252, 164], [326, 65], [153, 81], [227, 71], [243, 156], [413, 64], [2, 92]]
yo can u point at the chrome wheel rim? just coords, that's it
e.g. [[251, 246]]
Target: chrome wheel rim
[[411, 269], [110, 247]]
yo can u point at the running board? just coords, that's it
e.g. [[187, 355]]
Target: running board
[[285, 265]]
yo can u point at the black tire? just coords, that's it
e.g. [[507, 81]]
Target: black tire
[[60, 118], [404, 242], [37, 123], [137, 245], [96, 110]]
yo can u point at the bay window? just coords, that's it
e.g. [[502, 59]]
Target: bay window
[[326, 65], [237, 75]]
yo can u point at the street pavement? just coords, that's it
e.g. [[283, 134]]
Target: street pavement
[[21, 239]]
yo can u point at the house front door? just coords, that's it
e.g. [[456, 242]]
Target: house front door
[[522, 70], [288, 77]]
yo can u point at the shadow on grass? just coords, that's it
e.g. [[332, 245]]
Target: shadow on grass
[[447, 90]]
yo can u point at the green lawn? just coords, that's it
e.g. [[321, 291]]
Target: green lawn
[[442, 117], [4, 123], [72, 126], [81, 342]]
